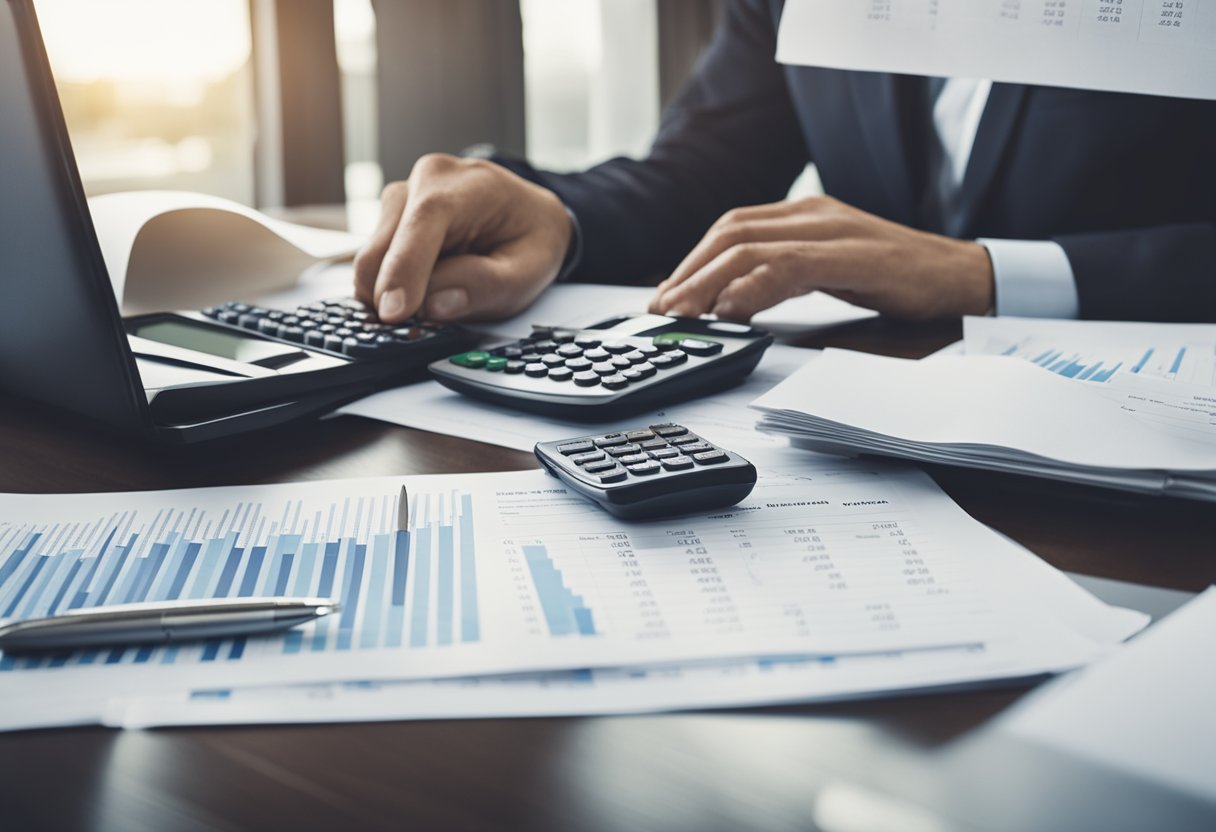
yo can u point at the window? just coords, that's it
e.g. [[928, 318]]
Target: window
[[156, 93]]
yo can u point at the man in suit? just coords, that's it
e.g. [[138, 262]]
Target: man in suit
[[946, 198]]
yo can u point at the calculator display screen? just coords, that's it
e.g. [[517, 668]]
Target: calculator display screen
[[213, 341]]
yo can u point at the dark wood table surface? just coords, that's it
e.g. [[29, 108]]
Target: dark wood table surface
[[725, 770]]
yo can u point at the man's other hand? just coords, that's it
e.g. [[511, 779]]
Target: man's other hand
[[461, 239], [754, 258]]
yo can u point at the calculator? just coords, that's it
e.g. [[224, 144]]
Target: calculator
[[658, 471], [626, 364], [343, 328]]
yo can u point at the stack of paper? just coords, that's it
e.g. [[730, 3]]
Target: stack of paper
[[1124, 406], [509, 596]]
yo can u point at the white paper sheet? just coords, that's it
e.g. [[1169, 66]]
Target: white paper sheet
[[723, 418], [585, 692], [1146, 709], [1158, 47], [1101, 352], [972, 403], [505, 573], [178, 250]]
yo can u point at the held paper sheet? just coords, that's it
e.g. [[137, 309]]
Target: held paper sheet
[[1157, 47]]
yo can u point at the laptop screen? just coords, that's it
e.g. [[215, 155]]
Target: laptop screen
[[61, 339]]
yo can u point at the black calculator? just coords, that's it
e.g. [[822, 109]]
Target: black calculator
[[622, 365], [344, 328], [659, 471]]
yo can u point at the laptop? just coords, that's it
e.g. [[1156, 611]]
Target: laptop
[[176, 377]]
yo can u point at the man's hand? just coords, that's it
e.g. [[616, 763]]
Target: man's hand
[[754, 258], [462, 239]]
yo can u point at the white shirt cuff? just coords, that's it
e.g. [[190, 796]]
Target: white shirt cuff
[[1033, 279]]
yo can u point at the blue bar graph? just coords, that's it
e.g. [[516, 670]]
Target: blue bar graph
[[565, 612], [413, 587]]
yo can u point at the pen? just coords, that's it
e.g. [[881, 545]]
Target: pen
[[160, 623], [403, 511]]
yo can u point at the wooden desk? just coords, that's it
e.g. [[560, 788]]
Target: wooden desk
[[750, 769]]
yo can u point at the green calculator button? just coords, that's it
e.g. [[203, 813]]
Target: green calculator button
[[495, 363], [674, 338], [472, 360]]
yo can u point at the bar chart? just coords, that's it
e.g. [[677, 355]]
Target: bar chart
[[415, 586], [1185, 363]]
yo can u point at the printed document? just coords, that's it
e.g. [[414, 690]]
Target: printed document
[[1157, 47], [508, 573]]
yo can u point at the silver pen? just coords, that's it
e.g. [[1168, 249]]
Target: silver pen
[[162, 622]]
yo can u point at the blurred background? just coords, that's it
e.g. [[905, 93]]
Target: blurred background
[[280, 103]]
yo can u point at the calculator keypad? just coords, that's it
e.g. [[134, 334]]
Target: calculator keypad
[[344, 326], [618, 457], [564, 356]]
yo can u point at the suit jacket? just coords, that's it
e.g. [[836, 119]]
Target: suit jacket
[[1125, 183]]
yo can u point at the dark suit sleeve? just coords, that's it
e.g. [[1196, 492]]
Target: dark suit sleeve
[[730, 138], [1166, 273]]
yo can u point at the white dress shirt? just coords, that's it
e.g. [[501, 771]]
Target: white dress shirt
[[1033, 277]]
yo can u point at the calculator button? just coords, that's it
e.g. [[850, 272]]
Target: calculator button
[[409, 333], [645, 369], [634, 357], [578, 364], [333, 342], [547, 345], [344, 332], [644, 468], [514, 368], [248, 321], [228, 316], [530, 357], [620, 362], [625, 449], [696, 447], [614, 475], [709, 457], [472, 360], [648, 350], [314, 338], [561, 374], [536, 370], [618, 347], [354, 348], [586, 379], [687, 439], [291, 333], [563, 336], [599, 467], [662, 362], [615, 382], [662, 345], [609, 440], [677, 356], [639, 435], [653, 444], [589, 456], [597, 354], [677, 463], [385, 341], [631, 375], [587, 343], [603, 369], [632, 460], [495, 363], [552, 359], [268, 326], [569, 350], [664, 453], [511, 352], [669, 429], [581, 446]]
